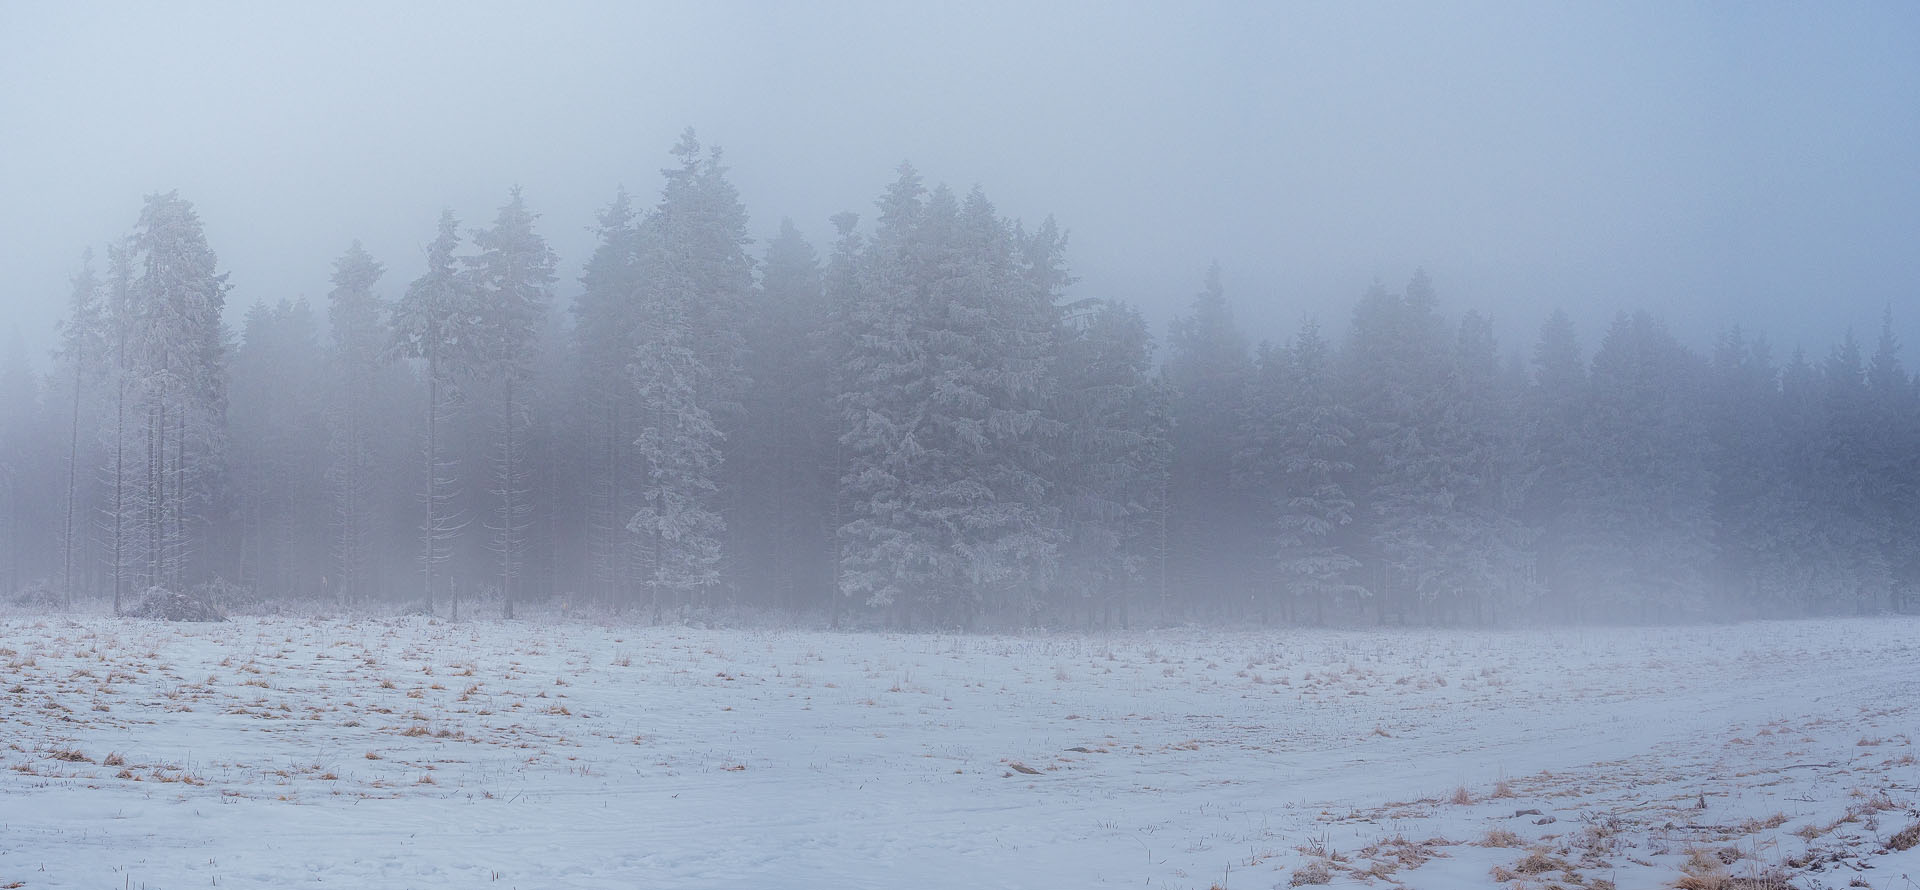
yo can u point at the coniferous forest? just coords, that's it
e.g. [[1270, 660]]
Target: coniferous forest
[[920, 425]]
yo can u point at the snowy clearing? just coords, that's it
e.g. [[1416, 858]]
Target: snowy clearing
[[412, 752]]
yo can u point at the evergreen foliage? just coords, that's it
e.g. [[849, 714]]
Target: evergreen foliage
[[928, 427]]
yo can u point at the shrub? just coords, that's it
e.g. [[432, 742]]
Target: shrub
[[161, 604]]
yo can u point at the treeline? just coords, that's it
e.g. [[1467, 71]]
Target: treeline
[[919, 429]]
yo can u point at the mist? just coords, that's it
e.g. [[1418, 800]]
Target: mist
[[1719, 165], [977, 444], [1361, 309]]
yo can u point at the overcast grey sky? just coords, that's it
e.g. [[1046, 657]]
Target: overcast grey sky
[[1715, 163]]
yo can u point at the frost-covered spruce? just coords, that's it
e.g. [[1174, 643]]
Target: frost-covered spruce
[[435, 322], [512, 279], [359, 367], [942, 410]]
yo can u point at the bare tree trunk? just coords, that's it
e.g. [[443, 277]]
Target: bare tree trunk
[[13, 529], [177, 559], [659, 553], [508, 521], [351, 559], [553, 510], [119, 494], [614, 546], [833, 537], [73, 461], [1163, 508], [155, 493], [432, 530]]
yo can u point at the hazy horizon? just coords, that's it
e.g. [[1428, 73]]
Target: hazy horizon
[[1716, 165]]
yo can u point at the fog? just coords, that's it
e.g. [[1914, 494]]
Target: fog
[[1275, 313], [1025, 444], [1718, 163]]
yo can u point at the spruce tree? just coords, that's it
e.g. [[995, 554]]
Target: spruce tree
[[120, 525], [1556, 406], [942, 393], [436, 323], [1313, 437], [1109, 459], [279, 457], [83, 348], [679, 530], [695, 279], [1646, 536], [1206, 374], [357, 317], [1396, 378], [512, 278], [881, 380], [784, 463], [179, 353], [604, 341]]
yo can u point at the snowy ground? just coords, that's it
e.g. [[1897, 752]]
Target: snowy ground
[[416, 753]]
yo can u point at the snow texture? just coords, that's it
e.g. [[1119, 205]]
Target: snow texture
[[415, 753]]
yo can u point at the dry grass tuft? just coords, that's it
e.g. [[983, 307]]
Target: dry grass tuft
[[1753, 826], [1772, 879], [114, 759], [1703, 871], [1906, 839], [1310, 874], [1461, 797], [1878, 803], [1538, 862], [1501, 837], [1395, 853]]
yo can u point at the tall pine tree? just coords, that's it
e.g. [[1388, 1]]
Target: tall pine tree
[[512, 279], [437, 322]]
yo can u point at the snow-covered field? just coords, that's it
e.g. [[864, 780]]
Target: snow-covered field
[[273, 752]]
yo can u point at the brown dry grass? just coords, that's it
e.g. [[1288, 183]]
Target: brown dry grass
[[1703, 871], [1703, 882], [1500, 837], [1538, 862], [1310, 874]]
